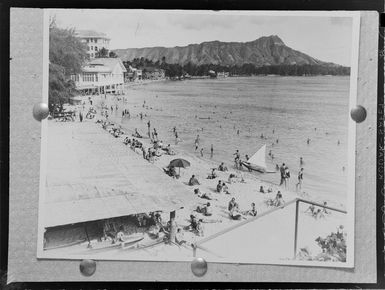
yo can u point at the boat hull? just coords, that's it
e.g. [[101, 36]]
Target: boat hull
[[253, 167]]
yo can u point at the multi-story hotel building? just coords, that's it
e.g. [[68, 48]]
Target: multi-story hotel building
[[95, 41]]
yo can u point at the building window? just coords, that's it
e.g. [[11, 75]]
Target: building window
[[92, 48], [75, 78], [96, 48], [88, 77], [92, 55]]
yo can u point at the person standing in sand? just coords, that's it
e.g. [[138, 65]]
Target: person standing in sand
[[176, 138], [282, 171], [211, 151], [196, 142], [287, 176], [201, 152], [148, 127], [300, 178]]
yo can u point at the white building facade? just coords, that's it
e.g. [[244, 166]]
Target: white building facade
[[95, 41], [101, 76]]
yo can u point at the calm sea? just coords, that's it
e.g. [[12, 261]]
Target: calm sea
[[290, 109]]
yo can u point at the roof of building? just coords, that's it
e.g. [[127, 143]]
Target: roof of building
[[96, 68], [103, 65], [90, 34], [92, 176]]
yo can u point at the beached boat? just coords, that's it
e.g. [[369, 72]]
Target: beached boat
[[107, 245], [145, 244], [257, 162]]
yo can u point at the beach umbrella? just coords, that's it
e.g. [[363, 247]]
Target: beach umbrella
[[179, 162]]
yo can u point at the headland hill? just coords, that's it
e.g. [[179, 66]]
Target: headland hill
[[263, 56]]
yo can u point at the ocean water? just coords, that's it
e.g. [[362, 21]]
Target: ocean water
[[296, 108]]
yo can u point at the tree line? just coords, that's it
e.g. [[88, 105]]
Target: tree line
[[177, 70], [67, 55]]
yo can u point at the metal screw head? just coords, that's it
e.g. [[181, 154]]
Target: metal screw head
[[358, 114], [199, 267], [87, 267], [40, 111]]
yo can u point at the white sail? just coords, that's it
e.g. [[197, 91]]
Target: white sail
[[259, 158]]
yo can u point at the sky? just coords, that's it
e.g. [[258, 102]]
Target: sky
[[327, 38]]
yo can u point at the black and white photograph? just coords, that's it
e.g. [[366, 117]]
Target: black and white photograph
[[218, 134]]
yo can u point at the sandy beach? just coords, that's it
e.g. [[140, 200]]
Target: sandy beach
[[273, 230]]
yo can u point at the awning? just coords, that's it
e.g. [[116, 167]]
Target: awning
[[85, 87], [92, 176]]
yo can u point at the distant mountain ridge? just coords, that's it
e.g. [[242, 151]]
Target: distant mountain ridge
[[264, 51]]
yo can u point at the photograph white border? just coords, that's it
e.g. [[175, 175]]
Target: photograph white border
[[355, 15]]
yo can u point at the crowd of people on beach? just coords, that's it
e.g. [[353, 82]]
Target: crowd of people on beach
[[222, 186], [203, 212], [317, 212]]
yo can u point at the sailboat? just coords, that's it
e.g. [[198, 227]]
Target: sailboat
[[257, 162]]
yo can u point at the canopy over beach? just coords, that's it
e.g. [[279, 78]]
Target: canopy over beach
[[91, 178]]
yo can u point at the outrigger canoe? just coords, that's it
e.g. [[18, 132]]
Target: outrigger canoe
[[107, 245], [145, 244]]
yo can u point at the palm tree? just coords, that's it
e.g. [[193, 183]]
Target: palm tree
[[113, 54], [102, 53]]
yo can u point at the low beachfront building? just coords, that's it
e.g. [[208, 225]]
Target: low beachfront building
[[95, 41], [153, 73], [100, 76], [133, 74]]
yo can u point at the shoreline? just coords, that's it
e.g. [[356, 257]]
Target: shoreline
[[244, 193], [136, 108]]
